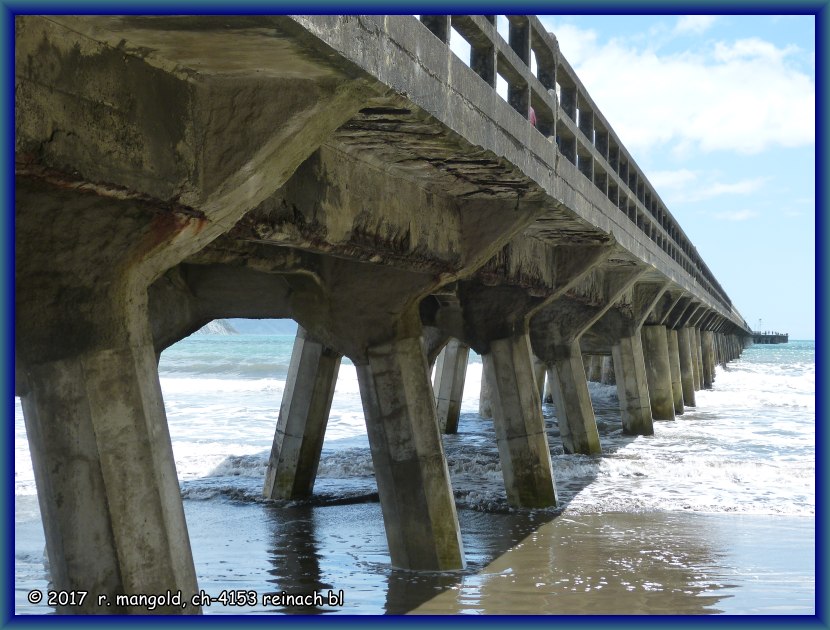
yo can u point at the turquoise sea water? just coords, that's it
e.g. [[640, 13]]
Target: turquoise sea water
[[713, 514]]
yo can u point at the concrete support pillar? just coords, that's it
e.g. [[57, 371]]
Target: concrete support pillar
[[549, 376], [595, 368], [632, 385], [574, 413], [694, 347], [485, 406], [408, 456], [708, 359], [658, 372], [687, 379], [450, 372], [304, 413], [608, 376], [106, 479], [699, 355], [520, 427], [674, 366], [539, 371]]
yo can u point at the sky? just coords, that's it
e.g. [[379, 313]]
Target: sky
[[719, 113]]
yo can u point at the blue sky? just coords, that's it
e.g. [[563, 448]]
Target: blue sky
[[719, 112]]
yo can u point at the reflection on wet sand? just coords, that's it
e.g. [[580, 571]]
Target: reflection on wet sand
[[296, 560], [597, 564], [526, 562]]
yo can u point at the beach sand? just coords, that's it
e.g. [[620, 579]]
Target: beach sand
[[518, 563]]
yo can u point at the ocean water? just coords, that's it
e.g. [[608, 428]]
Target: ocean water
[[715, 513]]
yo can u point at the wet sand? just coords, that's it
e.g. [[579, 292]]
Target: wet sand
[[530, 563], [518, 563], [684, 564]]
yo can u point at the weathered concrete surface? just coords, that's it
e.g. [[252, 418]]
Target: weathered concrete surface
[[520, 428], [339, 170], [304, 414], [698, 348], [556, 331], [707, 359], [450, 371], [674, 366], [658, 372], [608, 376], [85, 368], [632, 385], [485, 404], [686, 366], [574, 413], [539, 372], [594, 367], [410, 467]]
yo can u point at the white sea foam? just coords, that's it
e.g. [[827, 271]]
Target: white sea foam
[[749, 445]]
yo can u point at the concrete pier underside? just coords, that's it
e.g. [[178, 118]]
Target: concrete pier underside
[[349, 174]]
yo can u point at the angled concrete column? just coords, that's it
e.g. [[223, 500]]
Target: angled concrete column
[[450, 371], [674, 366], [632, 385], [408, 457], [539, 371], [708, 359], [304, 413], [107, 484], [485, 406], [687, 379], [618, 330], [608, 377], [574, 413], [594, 368], [520, 427], [658, 371], [549, 376]]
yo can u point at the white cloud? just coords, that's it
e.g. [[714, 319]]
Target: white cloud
[[742, 96], [678, 179], [752, 48], [694, 23], [743, 187], [685, 186], [735, 215], [700, 191]]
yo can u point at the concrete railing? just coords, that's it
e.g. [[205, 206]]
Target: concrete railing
[[582, 134]]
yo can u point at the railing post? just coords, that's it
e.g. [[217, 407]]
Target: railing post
[[483, 62], [439, 25]]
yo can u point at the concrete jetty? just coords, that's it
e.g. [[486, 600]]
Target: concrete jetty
[[769, 337], [350, 173]]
